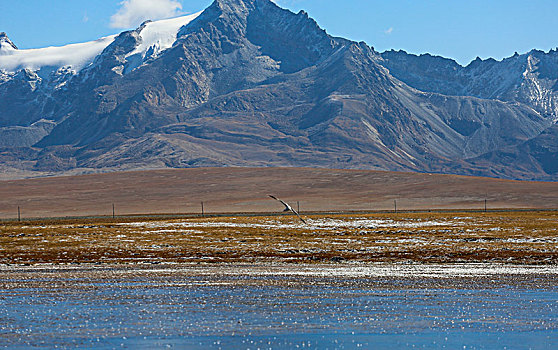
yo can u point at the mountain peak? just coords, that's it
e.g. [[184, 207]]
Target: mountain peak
[[6, 43], [236, 4], [235, 8], [294, 40]]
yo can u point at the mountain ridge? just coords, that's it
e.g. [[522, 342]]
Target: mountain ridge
[[247, 83]]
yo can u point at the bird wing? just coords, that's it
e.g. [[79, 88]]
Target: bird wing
[[289, 208]]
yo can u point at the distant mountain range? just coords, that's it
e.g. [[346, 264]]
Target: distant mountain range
[[246, 83]]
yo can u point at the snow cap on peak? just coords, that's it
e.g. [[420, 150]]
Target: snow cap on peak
[[75, 55], [6, 43], [152, 37]]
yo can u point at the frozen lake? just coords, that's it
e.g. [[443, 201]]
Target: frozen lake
[[279, 306]]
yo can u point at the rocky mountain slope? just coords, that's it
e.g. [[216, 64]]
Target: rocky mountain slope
[[246, 83], [531, 78]]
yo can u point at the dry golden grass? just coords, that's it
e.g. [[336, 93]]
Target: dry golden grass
[[241, 190], [504, 237]]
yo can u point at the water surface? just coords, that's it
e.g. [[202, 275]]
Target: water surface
[[285, 306]]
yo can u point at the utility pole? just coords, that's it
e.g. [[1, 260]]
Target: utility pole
[[297, 206], [395, 205], [113, 212], [485, 205], [18, 214], [203, 211]]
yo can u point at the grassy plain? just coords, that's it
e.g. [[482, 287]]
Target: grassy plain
[[436, 237], [246, 190]]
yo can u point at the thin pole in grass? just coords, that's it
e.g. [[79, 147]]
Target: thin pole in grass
[[113, 212], [202, 210], [395, 205], [298, 206], [486, 205], [18, 214]]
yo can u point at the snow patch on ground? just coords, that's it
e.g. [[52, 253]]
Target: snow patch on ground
[[318, 224]]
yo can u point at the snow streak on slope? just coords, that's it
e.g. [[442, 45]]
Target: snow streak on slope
[[161, 35]]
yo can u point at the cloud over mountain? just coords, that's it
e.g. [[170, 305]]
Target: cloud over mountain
[[134, 12]]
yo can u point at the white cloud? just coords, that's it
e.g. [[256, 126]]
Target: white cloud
[[388, 31], [134, 12]]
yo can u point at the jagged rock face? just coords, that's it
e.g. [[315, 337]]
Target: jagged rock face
[[247, 83], [531, 79], [20, 94]]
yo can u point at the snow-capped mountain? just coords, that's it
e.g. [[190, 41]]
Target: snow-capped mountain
[[151, 38], [246, 83], [75, 56], [6, 45]]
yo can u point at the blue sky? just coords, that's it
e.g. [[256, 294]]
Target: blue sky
[[459, 29]]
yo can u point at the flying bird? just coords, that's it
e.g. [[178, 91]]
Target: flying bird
[[289, 208]]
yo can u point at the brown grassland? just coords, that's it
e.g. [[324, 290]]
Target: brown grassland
[[245, 190], [436, 237], [453, 235]]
